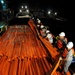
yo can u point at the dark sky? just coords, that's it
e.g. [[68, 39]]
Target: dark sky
[[42, 3], [58, 4], [65, 7]]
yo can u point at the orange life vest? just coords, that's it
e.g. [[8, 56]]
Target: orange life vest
[[59, 44], [65, 52]]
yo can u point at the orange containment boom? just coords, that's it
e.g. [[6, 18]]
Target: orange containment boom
[[24, 53]]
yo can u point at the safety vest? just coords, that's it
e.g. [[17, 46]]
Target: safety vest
[[65, 52], [60, 43]]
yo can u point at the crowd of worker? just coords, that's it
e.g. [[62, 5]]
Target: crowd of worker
[[65, 47]]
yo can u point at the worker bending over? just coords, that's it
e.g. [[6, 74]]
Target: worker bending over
[[49, 36], [42, 31]]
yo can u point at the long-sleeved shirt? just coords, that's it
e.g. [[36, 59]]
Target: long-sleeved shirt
[[69, 55], [50, 38]]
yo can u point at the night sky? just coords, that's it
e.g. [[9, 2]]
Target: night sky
[[57, 4], [64, 7], [61, 5]]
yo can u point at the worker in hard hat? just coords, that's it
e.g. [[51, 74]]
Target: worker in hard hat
[[38, 27], [49, 36], [38, 21], [61, 41], [69, 57], [42, 31], [62, 37]]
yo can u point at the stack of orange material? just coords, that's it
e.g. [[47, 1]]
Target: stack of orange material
[[50, 50], [22, 53]]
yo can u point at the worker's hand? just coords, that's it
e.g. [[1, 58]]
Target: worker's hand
[[73, 73], [60, 58]]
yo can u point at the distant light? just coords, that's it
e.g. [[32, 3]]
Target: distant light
[[25, 7], [2, 1], [20, 10], [49, 12], [22, 7], [55, 13], [27, 11]]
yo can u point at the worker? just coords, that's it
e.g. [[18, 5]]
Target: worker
[[38, 21], [61, 42], [38, 26], [38, 29], [62, 37], [42, 31], [73, 61], [49, 36], [69, 57], [64, 53]]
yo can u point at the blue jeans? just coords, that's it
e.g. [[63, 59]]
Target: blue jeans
[[73, 61], [66, 65]]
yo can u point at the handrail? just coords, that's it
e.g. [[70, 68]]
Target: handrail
[[55, 66]]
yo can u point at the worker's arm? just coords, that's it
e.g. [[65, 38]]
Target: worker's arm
[[70, 55]]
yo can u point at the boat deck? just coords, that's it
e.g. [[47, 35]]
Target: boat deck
[[24, 52]]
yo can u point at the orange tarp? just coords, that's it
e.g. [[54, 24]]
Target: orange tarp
[[52, 50], [24, 53]]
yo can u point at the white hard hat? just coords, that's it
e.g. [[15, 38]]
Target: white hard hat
[[37, 18], [38, 25], [62, 34], [39, 21], [47, 31], [69, 45], [42, 26]]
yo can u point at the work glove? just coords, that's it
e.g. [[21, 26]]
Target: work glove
[[60, 58]]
